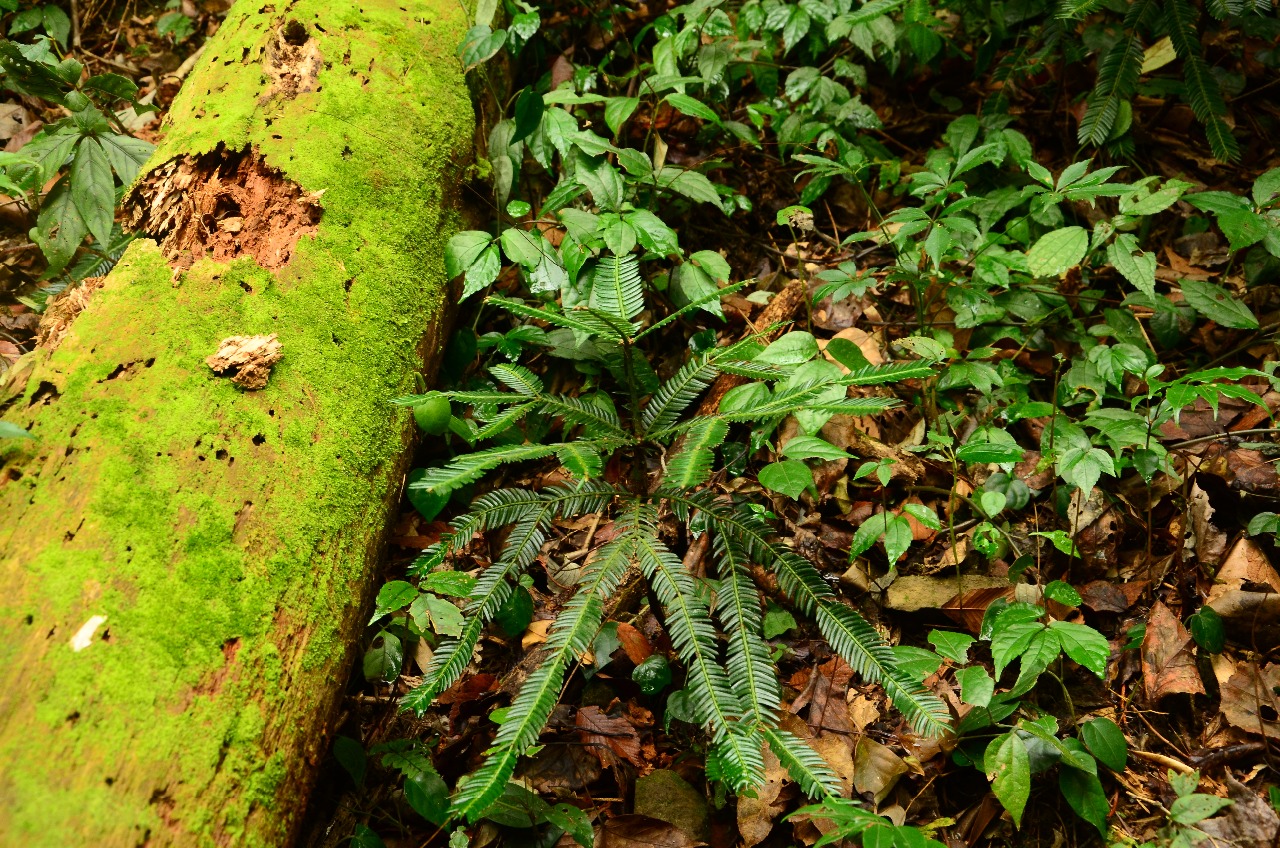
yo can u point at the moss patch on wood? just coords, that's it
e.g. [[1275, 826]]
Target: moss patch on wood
[[227, 536]]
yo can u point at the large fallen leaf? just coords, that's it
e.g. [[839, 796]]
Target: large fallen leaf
[[915, 592], [1246, 593], [1168, 657], [1249, 701], [637, 831], [756, 814], [876, 769]]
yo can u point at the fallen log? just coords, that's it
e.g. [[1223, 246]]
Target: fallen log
[[187, 554]]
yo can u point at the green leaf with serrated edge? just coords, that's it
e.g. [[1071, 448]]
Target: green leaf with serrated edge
[[1042, 649], [428, 795], [384, 658], [1084, 645], [1009, 641], [573, 821], [976, 686], [790, 477], [1106, 741], [1134, 264], [777, 621], [923, 514], [456, 584], [1009, 770], [692, 107], [394, 596], [1060, 540], [1218, 305], [1063, 593], [1056, 252], [1193, 809], [793, 348], [953, 646]]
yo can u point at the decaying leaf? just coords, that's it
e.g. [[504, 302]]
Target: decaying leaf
[[1246, 593], [610, 739], [757, 813], [876, 769], [1250, 822], [1249, 699], [1168, 657], [247, 360]]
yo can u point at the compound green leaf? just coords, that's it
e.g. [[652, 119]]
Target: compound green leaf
[[1217, 304], [1084, 645]]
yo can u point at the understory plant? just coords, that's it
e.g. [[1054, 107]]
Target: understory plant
[[668, 450]]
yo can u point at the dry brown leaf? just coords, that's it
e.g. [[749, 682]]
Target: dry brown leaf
[[756, 814], [634, 643], [968, 608], [1168, 658], [876, 769], [1246, 593], [1249, 701], [610, 739]]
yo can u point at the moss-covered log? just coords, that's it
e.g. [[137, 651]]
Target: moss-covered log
[[184, 563]]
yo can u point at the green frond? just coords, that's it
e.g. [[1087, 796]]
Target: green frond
[[597, 421], [570, 637], [453, 656], [578, 320], [470, 398], [1223, 9], [846, 631], [1117, 81], [805, 765], [695, 304], [507, 506], [676, 394], [690, 464], [616, 287], [505, 419], [1203, 92], [737, 758], [582, 463], [890, 372], [866, 653], [1074, 10], [751, 671], [517, 378], [630, 366], [856, 405], [753, 370], [470, 467], [711, 695]]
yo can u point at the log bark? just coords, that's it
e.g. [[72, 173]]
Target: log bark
[[186, 563]]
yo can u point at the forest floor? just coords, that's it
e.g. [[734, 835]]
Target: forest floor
[[1148, 555]]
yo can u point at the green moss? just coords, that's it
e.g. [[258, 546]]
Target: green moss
[[226, 534]]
